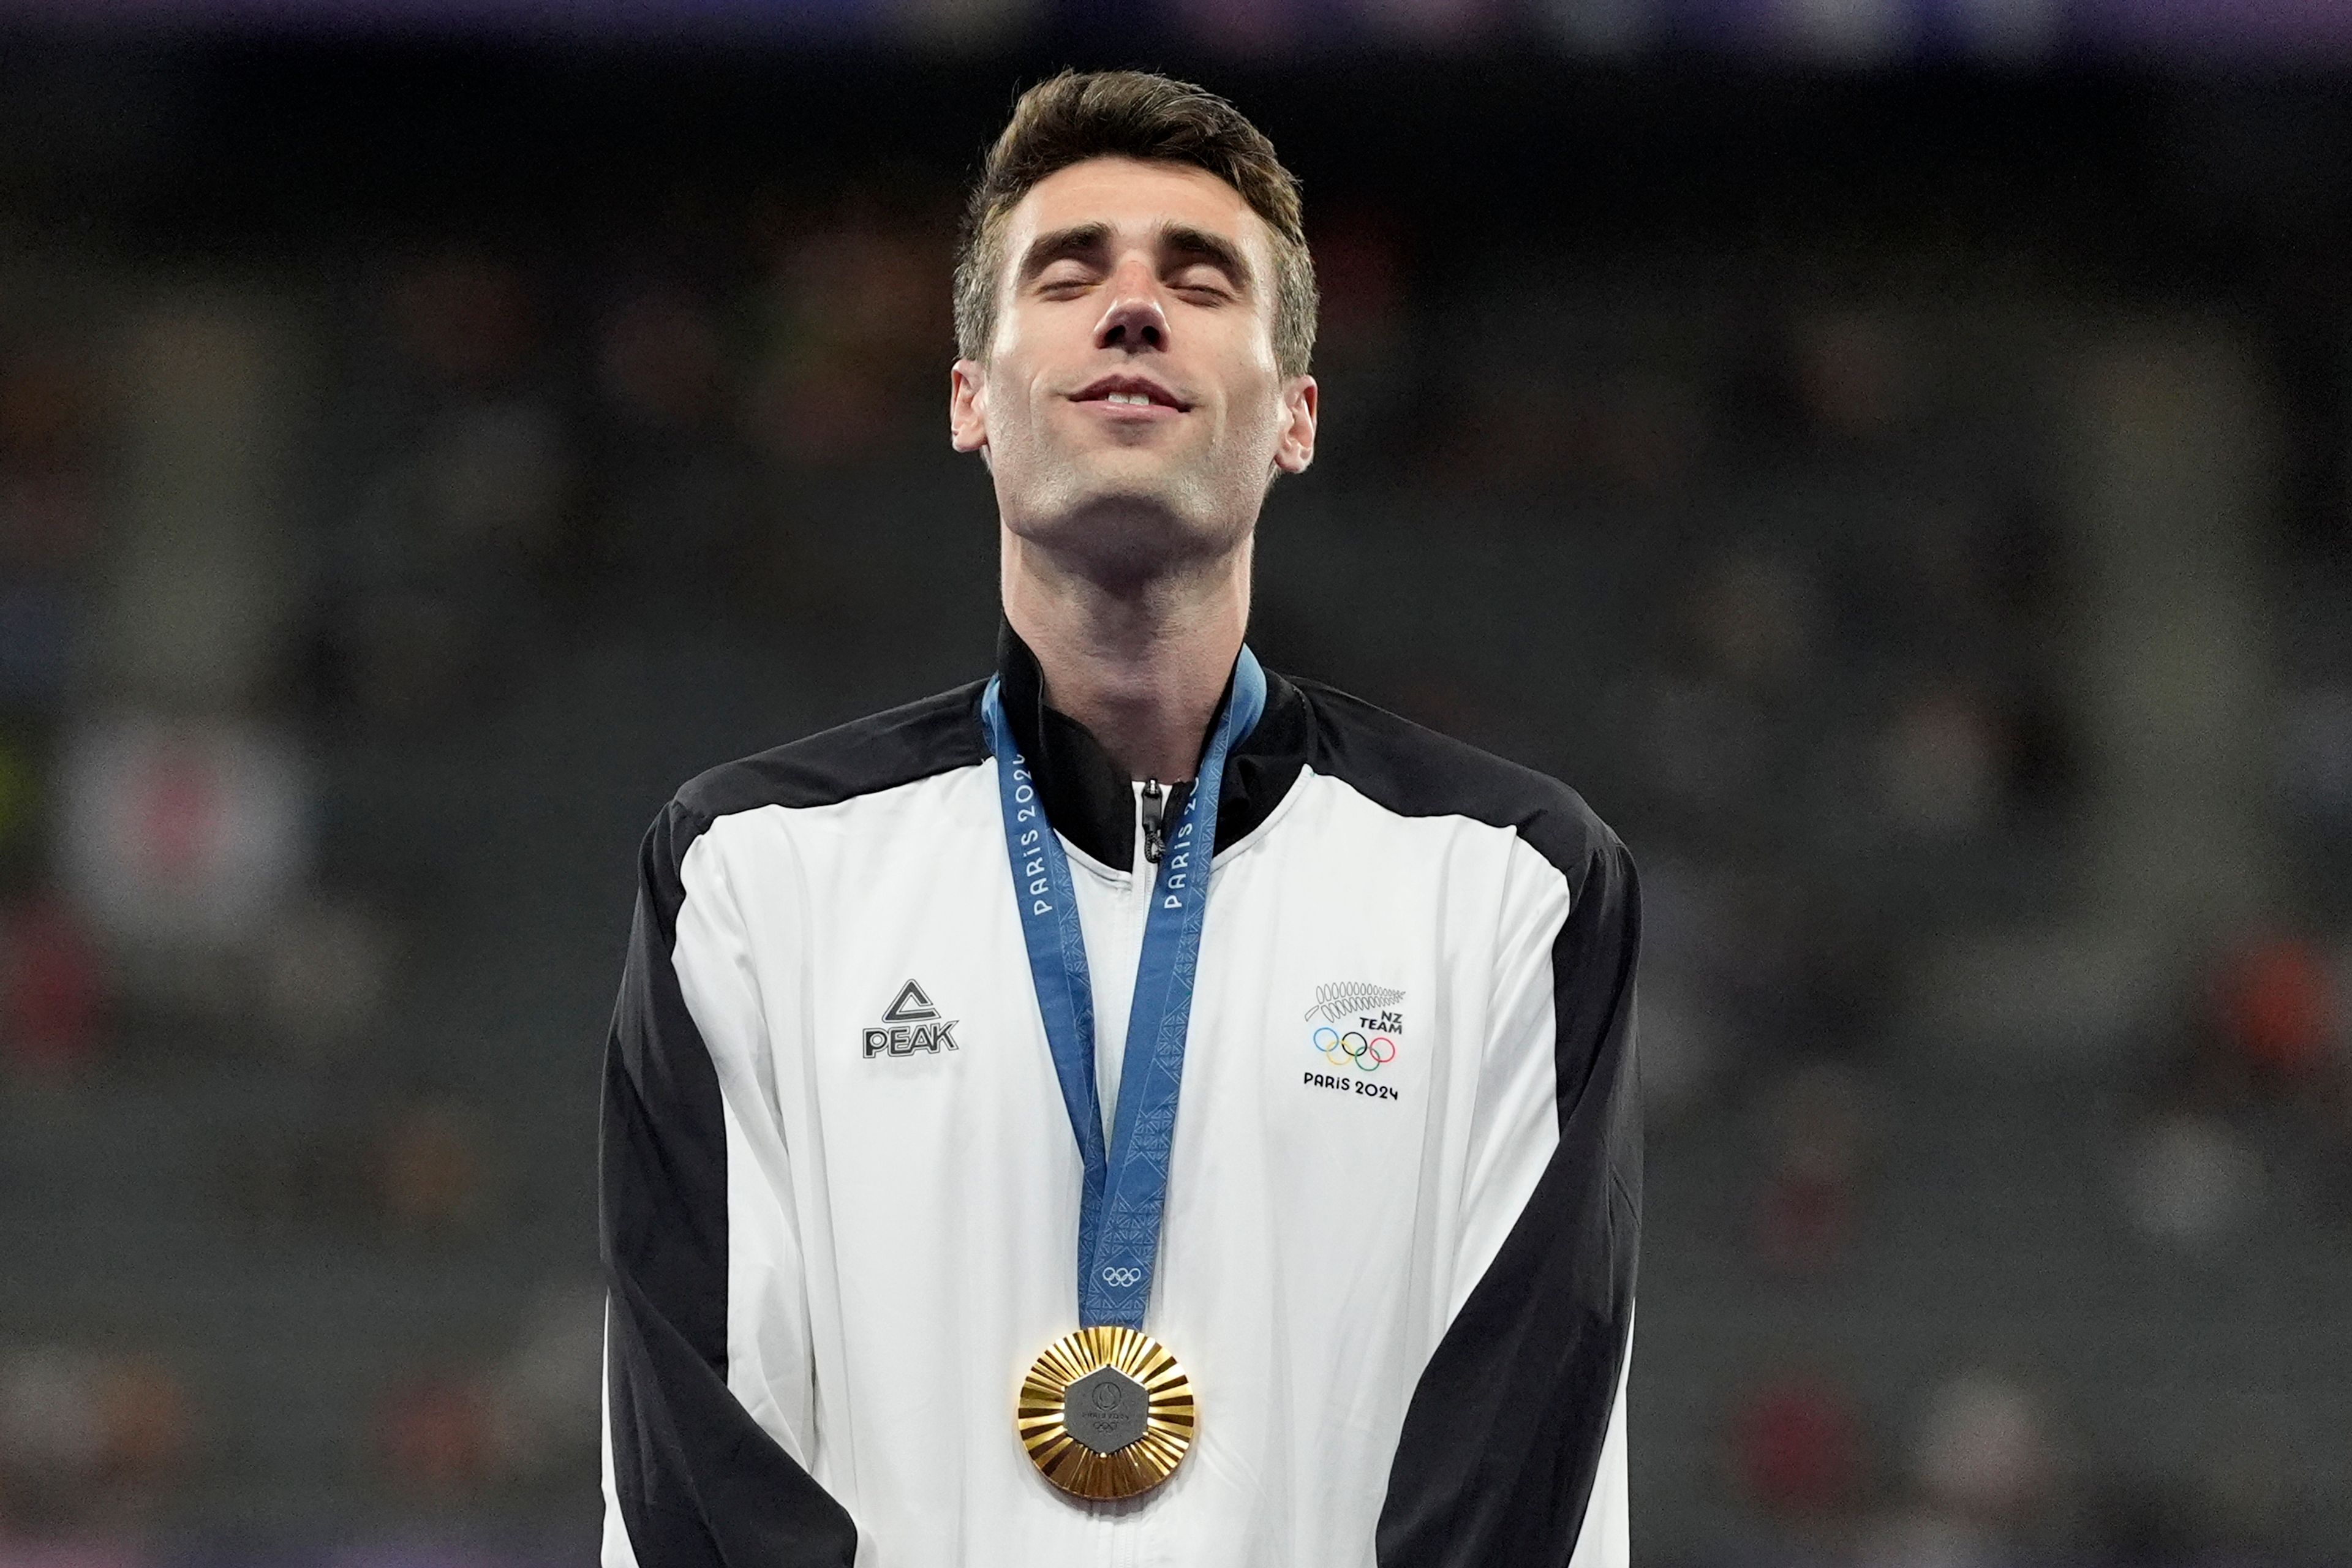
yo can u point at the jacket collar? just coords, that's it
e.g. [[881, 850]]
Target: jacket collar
[[1089, 799]]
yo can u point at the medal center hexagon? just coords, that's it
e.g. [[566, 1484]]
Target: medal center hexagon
[[1105, 1410]]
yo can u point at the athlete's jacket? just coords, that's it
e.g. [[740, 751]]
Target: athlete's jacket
[[840, 1189]]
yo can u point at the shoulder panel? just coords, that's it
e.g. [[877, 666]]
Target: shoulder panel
[[934, 735], [1416, 772]]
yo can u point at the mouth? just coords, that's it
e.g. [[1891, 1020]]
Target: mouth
[[1130, 395]]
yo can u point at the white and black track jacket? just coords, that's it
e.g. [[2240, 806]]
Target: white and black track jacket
[[840, 1194]]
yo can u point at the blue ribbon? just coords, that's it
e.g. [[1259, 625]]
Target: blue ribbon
[[1127, 1186]]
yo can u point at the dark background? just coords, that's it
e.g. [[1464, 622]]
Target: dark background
[[1896, 470]]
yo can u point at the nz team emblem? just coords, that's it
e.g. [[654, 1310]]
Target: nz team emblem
[[912, 1023], [1355, 1027]]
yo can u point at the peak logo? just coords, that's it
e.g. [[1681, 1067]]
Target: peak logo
[[912, 1023]]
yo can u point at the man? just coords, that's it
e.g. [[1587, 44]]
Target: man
[[918, 1258]]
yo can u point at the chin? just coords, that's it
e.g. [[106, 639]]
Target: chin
[[1126, 526]]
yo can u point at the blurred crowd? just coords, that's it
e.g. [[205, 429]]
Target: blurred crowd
[[1786, 579]]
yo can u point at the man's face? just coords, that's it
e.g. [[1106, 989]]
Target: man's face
[[1130, 407]]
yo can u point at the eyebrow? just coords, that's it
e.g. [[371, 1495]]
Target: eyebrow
[[1077, 240], [1180, 240], [1198, 244]]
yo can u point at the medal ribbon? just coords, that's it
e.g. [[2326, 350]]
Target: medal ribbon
[[1126, 1185]]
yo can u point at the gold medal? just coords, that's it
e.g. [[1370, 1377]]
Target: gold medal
[[1106, 1413]]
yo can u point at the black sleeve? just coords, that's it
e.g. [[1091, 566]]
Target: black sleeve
[[1504, 1436], [696, 1481]]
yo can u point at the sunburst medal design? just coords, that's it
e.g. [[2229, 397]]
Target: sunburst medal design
[[1106, 1413]]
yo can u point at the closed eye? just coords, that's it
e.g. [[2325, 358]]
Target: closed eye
[[1196, 258], [1066, 278], [1066, 258], [1204, 283]]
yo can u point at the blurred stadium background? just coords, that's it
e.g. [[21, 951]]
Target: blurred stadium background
[[1892, 454]]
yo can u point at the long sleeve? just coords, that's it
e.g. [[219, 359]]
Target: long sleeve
[[706, 1401], [1513, 1451]]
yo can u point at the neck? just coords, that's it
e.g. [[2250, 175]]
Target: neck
[[1140, 663]]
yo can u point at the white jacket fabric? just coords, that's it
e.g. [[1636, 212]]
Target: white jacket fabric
[[840, 1191]]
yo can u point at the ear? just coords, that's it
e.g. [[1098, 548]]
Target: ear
[[968, 406], [1296, 447]]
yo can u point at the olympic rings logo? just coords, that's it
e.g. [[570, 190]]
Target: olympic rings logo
[[1123, 1278], [1365, 1053]]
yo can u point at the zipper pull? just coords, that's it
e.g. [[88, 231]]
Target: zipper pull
[[1155, 801]]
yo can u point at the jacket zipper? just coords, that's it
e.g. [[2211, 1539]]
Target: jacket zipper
[[1154, 806], [1127, 1542]]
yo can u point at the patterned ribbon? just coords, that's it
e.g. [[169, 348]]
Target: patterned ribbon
[[1126, 1185]]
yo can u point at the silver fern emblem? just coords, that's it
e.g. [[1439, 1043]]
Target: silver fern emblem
[[1344, 997]]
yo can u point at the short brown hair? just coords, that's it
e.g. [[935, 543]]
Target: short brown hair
[[1132, 114]]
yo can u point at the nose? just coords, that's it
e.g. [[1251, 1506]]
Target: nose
[[1132, 319]]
